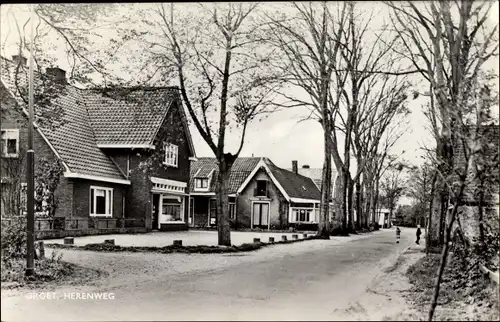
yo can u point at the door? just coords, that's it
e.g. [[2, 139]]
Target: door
[[191, 211], [156, 204], [260, 214]]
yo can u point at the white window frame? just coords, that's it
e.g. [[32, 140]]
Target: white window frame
[[233, 214], [171, 155], [109, 203], [10, 134], [295, 215]]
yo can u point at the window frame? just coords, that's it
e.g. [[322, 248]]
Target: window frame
[[201, 181], [108, 203], [6, 135], [265, 190], [232, 214], [171, 154]]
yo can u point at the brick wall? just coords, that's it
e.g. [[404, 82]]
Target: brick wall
[[172, 131], [81, 197], [139, 197], [12, 117], [488, 140]]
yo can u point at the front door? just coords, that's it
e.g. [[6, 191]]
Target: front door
[[191, 212], [260, 215], [212, 212], [156, 204]]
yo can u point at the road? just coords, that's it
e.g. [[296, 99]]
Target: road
[[318, 280]]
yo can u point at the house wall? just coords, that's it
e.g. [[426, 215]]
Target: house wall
[[81, 197], [146, 163], [278, 217], [12, 117], [170, 132]]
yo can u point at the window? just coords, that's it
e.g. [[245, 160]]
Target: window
[[171, 154], [232, 210], [301, 215], [261, 188], [171, 208], [101, 201], [201, 183], [213, 212], [10, 143]]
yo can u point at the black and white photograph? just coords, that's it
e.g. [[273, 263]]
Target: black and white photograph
[[250, 161]]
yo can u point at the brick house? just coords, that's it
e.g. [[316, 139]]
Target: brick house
[[126, 153], [261, 195]]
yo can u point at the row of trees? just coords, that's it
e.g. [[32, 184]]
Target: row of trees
[[236, 63]]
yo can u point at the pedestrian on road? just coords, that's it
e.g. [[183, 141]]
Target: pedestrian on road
[[419, 232], [398, 234]]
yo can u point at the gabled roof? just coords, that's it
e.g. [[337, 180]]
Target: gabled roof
[[293, 186], [241, 169], [93, 120]]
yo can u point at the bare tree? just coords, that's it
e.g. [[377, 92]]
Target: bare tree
[[450, 43], [310, 41], [221, 67]]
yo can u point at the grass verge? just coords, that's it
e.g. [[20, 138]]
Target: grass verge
[[47, 272], [464, 295]]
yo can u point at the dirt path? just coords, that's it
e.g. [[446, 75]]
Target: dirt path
[[383, 299]]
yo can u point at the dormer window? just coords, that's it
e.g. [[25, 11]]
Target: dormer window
[[201, 183], [171, 155]]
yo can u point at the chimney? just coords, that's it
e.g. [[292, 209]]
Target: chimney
[[305, 166], [17, 58], [295, 167], [57, 74]]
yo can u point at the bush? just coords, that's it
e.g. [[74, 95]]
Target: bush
[[13, 240]]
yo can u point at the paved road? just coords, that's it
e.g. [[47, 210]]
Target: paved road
[[317, 283]]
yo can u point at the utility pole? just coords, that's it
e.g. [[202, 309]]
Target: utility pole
[[30, 164]]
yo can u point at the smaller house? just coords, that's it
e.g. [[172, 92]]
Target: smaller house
[[383, 217], [261, 195]]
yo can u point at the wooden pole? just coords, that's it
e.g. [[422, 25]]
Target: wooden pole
[[30, 227]]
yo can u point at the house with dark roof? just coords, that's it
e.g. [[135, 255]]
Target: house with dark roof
[[316, 174], [261, 195], [126, 152]]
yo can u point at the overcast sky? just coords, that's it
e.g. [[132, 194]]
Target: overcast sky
[[281, 137]]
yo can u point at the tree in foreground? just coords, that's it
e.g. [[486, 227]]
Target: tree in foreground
[[216, 54], [450, 42]]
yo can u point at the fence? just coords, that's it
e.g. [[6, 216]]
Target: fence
[[61, 227]]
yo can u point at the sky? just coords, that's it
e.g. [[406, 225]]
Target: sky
[[281, 137]]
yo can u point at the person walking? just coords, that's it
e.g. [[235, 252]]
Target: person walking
[[398, 234], [419, 232]]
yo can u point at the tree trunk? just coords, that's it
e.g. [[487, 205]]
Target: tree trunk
[[428, 237], [375, 200], [345, 227], [222, 188], [359, 212], [350, 209], [326, 183]]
